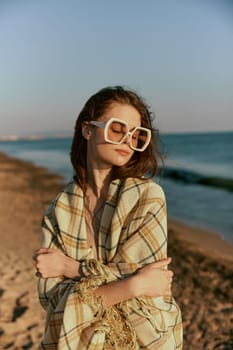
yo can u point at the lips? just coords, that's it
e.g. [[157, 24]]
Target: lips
[[123, 152]]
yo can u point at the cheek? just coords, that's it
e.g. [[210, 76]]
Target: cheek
[[99, 136], [96, 143]]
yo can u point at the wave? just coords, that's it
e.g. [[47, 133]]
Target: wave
[[192, 177]]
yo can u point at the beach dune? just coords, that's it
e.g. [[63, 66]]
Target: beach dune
[[202, 264]]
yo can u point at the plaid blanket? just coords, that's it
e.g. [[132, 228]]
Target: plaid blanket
[[133, 233]]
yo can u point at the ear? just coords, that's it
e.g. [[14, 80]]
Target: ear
[[86, 130]]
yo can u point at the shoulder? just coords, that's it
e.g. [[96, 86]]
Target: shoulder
[[71, 188], [147, 187], [141, 195], [144, 193], [65, 196]]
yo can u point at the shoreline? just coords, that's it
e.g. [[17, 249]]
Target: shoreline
[[206, 241], [202, 284]]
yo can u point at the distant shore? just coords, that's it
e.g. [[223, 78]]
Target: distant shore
[[202, 263]]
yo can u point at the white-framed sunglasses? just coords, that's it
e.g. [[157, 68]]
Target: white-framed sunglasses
[[116, 131]]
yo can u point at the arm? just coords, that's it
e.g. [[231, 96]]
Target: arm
[[47, 287], [152, 280]]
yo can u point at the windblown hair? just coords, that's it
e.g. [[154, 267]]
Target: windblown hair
[[141, 163]]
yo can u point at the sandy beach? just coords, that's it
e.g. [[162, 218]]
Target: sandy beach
[[202, 263]]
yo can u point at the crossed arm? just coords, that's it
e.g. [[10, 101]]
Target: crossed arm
[[152, 280]]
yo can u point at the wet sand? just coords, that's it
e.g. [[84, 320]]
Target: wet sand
[[202, 263]]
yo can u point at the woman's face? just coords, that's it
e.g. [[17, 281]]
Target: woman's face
[[103, 155]]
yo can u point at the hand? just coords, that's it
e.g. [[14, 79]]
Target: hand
[[53, 263], [154, 279]]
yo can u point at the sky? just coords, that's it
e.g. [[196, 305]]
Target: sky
[[54, 54]]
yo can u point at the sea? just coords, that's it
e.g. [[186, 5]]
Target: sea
[[197, 177]]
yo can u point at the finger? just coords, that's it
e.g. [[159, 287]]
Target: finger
[[45, 251], [162, 263]]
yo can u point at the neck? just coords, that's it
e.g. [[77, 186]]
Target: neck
[[98, 181]]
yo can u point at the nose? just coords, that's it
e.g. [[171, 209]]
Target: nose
[[127, 139]]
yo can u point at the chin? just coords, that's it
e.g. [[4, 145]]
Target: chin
[[121, 163], [117, 161]]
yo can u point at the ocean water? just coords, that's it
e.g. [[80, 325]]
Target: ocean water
[[197, 179]]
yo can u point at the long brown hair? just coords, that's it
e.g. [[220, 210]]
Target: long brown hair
[[141, 163]]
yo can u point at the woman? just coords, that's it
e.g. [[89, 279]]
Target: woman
[[103, 263]]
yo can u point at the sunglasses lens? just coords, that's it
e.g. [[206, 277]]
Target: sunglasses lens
[[116, 131], [139, 138]]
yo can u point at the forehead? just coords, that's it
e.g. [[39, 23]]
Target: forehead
[[123, 112]]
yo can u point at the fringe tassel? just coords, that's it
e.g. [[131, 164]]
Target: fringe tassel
[[119, 333]]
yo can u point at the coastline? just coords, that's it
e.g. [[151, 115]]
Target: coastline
[[202, 263], [205, 241]]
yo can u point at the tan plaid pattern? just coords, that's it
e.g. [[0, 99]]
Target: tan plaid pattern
[[133, 233]]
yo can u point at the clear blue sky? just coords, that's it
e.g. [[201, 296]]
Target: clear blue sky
[[54, 54]]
